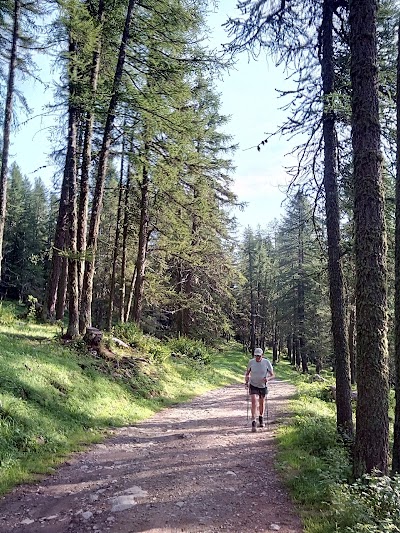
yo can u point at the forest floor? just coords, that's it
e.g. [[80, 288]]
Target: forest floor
[[195, 467]]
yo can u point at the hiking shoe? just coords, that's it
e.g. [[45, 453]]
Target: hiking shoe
[[253, 426], [261, 421]]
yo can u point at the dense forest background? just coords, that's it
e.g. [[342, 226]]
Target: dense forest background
[[139, 224]]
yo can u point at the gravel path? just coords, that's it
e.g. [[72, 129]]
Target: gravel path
[[195, 467]]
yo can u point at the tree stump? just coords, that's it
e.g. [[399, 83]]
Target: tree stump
[[93, 337]]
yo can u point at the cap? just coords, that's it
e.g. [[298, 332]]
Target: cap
[[258, 351]]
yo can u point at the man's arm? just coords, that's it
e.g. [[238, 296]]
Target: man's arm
[[246, 376], [270, 372]]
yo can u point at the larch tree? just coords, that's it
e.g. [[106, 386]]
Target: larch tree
[[76, 28], [119, 224], [396, 429], [25, 237], [85, 317], [372, 422], [344, 416], [7, 122], [301, 300], [88, 126], [255, 294]]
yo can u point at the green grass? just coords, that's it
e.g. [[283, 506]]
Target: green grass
[[312, 461], [316, 466], [55, 399]]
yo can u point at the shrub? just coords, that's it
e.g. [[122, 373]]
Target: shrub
[[158, 351], [133, 335], [7, 314], [130, 333], [317, 434], [371, 504], [193, 349]]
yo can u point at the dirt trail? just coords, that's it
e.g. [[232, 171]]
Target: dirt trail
[[195, 467]]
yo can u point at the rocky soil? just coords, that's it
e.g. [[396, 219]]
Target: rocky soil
[[195, 467]]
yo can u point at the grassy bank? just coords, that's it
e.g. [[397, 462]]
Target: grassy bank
[[311, 459], [316, 466], [54, 399]]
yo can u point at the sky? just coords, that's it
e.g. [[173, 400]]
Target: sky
[[248, 96]]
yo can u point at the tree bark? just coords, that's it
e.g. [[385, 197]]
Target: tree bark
[[7, 125], [130, 298], [71, 172], [344, 415], [125, 228], [62, 288], [396, 432], [372, 422], [352, 344], [73, 284], [116, 242], [56, 269], [142, 245]]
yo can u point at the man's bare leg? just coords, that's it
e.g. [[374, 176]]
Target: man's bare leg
[[253, 412], [261, 407]]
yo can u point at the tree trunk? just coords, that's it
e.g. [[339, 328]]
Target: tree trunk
[[297, 345], [125, 228], [294, 348], [62, 288], [130, 298], [73, 284], [275, 340], [344, 418], [180, 329], [302, 357], [289, 344], [87, 289], [71, 172], [57, 269], [7, 126], [372, 429], [143, 238], [116, 242], [396, 432], [352, 343], [252, 303]]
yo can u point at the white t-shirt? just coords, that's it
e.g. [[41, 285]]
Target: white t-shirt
[[259, 371]]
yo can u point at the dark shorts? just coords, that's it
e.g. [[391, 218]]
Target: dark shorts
[[261, 391]]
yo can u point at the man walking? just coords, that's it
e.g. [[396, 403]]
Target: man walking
[[259, 370]]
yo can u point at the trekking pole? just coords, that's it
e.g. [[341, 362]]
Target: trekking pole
[[248, 398]]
